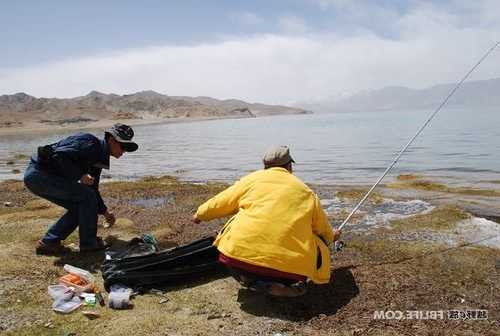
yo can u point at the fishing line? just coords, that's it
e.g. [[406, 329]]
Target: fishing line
[[443, 103]]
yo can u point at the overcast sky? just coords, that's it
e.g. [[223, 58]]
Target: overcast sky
[[267, 51]]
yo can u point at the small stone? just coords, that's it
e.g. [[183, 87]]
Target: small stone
[[18, 301], [7, 204], [124, 223], [73, 247], [214, 316], [164, 300], [48, 325], [91, 315], [156, 292]]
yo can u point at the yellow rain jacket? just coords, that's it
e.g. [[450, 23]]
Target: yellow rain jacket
[[276, 224]]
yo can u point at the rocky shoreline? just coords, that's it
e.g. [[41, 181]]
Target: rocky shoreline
[[399, 264]]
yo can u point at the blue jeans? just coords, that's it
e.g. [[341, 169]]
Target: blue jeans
[[79, 200]]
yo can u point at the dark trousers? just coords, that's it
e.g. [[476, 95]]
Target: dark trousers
[[79, 200]]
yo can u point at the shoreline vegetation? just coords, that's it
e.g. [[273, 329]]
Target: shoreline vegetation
[[421, 183], [391, 267]]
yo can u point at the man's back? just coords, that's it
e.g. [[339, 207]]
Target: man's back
[[277, 222]]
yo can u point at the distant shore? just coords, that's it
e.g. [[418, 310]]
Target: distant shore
[[37, 127]]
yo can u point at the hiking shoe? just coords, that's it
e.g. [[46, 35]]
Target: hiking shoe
[[294, 290], [50, 249], [99, 246]]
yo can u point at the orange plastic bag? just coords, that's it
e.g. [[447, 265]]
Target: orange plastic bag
[[73, 280]]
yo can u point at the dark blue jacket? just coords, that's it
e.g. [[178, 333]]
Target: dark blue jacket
[[75, 156]]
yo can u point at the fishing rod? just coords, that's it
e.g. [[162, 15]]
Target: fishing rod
[[443, 103]]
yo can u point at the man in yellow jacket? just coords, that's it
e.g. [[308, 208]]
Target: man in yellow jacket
[[278, 235]]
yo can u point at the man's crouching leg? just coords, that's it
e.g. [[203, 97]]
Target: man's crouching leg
[[87, 218]]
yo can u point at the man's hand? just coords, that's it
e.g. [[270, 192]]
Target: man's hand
[[196, 220], [336, 235], [87, 180], [110, 218]]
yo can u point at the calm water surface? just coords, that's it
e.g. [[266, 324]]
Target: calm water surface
[[459, 147]]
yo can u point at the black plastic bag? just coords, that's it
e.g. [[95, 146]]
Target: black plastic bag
[[169, 267]]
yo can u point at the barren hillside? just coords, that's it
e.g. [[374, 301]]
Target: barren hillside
[[21, 108]]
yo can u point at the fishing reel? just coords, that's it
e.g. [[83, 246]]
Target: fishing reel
[[338, 245]]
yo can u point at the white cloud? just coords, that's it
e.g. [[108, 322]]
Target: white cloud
[[350, 5], [246, 18], [433, 46], [292, 24], [327, 4]]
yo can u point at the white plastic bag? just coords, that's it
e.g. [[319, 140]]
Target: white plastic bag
[[65, 300], [65, 307], [119, 296]]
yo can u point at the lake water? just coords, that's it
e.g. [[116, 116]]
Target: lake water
[[460, 147]]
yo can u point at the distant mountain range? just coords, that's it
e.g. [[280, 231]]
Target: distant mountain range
[[473, 94], [20, 108]]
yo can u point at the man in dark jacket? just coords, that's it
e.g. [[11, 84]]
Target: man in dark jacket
[[67, 173]]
